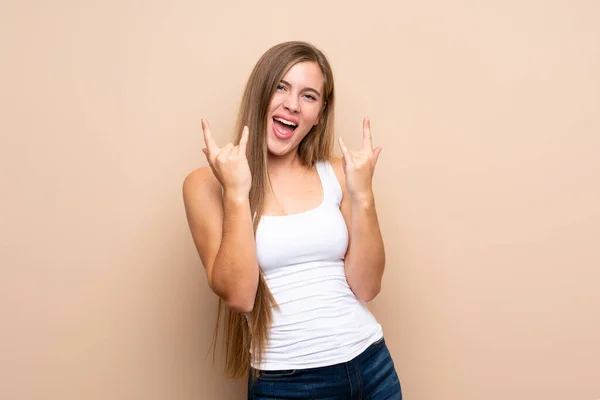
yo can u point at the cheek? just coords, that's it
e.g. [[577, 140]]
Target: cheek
[[313, 116], [275, 102], [309, 125]]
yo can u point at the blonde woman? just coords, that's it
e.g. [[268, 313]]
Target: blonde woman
[[290, 241]]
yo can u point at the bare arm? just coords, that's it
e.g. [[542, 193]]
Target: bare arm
[[223, 235], [365, 258], [220, 222]]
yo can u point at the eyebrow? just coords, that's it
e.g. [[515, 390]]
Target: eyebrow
[[308, 88]]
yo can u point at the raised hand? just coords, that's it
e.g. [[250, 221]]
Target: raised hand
[[229, 164], [359, 166]]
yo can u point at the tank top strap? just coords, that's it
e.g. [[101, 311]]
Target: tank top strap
[[331, 186]]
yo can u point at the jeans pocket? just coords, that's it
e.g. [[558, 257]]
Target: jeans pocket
[[277, 374]]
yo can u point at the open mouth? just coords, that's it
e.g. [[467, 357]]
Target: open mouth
[[284, 127]]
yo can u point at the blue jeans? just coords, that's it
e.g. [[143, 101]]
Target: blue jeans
[[369, 376]]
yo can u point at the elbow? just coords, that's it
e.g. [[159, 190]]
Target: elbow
[[240, 306], [240, 302], [238, 298], [368, 294], [235, 302]]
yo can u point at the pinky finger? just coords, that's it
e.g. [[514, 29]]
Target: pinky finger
[[376, 153], [243, 141]]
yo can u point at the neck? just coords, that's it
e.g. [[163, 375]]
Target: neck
[[287, 162]]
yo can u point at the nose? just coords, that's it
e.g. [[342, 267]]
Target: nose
[[291, 104]]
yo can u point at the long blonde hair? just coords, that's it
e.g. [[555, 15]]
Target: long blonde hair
[[246, 338]]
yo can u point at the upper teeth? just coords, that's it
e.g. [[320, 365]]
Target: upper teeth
[[283, 121]]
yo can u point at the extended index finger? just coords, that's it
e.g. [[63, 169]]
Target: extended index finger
[[367, 138]]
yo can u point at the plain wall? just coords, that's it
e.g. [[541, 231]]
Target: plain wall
[[488, 188]]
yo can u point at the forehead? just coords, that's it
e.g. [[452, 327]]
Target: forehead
[[306, 73]]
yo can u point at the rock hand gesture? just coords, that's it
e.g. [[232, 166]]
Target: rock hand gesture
[[229, 163], [359, 166]]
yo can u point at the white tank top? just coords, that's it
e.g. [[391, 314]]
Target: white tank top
[[320, 321]]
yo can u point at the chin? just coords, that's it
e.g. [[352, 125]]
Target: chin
[[277, 147], [278, 150]]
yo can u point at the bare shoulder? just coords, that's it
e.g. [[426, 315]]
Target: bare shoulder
[[200, 181], [201, 192]]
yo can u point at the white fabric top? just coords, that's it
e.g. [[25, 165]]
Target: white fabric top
[[320, 321]]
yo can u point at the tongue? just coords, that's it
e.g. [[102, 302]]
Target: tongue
[[283, 128]]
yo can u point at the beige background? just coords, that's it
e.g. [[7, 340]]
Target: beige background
[[487, 187]]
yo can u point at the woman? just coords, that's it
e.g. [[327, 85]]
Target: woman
[[289, 237]]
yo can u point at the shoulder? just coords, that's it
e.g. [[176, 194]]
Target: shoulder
[[202, 177], [201, 185]]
